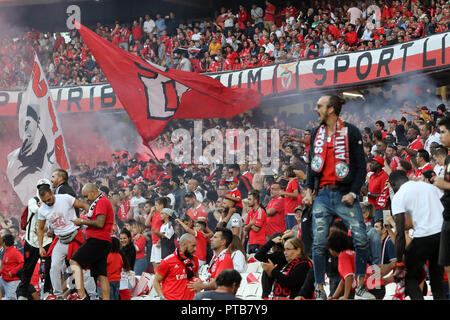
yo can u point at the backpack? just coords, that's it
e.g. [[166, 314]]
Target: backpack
[[24, 221]]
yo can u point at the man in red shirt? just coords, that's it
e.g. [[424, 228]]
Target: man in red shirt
[[94, 251], [177, 270], [269, 17], [221, 259], [255, 224], [197, 211], [414, 143], [292, 198], [377, 182], [423, 163], [275, 211]]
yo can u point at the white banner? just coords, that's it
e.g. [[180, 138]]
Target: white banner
[[43, 148]]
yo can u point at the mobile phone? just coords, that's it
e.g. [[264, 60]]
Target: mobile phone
[[386, 215]]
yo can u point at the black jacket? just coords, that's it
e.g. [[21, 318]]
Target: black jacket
[[65, 188], [357, 163]]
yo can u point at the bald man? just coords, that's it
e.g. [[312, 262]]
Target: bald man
[[177, 270], [94, 252], [192, 186]]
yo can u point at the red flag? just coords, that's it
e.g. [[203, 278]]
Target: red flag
[[152, 95]]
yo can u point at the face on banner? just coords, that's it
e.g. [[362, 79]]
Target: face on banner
[[42, 148]]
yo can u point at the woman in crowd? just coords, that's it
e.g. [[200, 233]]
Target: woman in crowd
[[139, 241], [238, 254], [290, 278], [127, 246]]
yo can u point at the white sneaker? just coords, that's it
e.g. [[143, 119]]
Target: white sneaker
[[22, 298], [361, 293]]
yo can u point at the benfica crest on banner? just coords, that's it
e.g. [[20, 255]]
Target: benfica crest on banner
[[152, 95], [43, 148]]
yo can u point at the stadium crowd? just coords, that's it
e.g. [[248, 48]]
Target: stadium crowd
[[240, 215], [207, 217], [233, 39]]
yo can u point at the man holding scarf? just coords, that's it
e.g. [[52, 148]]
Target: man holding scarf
[[336, 173], [94, 251]]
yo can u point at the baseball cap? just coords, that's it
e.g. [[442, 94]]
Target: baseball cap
[[392, 121], [299, 207], [234, 179], [378, 159], [43, 181], [169, 212]]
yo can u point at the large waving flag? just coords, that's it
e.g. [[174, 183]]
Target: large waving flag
[[43, 148], [152, 95]]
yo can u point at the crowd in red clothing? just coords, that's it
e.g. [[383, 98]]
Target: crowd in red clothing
[[233, 39]]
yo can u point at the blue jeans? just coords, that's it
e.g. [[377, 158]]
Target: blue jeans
[[140, 266], [9, 288], [375, 246], [326, 207], [290, 221], [114, 290]]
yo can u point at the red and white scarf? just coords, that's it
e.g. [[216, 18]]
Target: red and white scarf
[[341, 152]]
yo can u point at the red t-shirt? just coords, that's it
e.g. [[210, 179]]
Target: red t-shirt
[[257, 237], [202, 242], [103, 207], [223, 261], [140, 244], [276, 222], [346, 266], [174, 283], [270, 13], [290, 203], [415, 145], [376, 185], [199, 213], [156, 225], [329, 171], [419, 172], [236, 194], [123, 209], [114, 266]]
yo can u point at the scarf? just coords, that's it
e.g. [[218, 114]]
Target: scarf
[[341, 152], [187, 263], [92, 207], [383, 197]]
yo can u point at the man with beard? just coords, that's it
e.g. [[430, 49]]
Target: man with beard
[[94, 251], [177, 270], [59, 211], [336, 173], [221, 260], [60, 184], [412, 135]]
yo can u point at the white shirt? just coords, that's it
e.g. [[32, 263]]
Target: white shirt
[[149, 25], [30, 232], [186, 64], [235, 221], [434, 137], [256, 13], [60, 215], [167, 230], [421, 201], [239, 263], [134, 203]]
